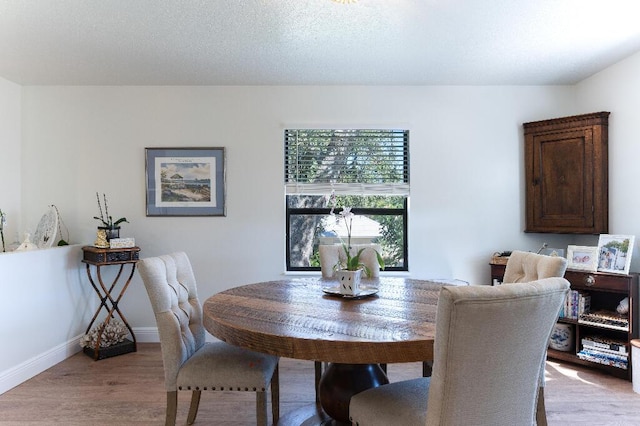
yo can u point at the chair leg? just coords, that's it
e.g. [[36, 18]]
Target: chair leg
[[261, 408], [193, 407], [541, 412], [275, 395], [318, 369], [427, 367], [172, 408]]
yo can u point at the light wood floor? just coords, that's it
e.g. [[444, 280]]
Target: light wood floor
[[128, 390]]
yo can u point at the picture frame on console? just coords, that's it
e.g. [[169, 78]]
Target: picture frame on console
[[185, 181], [582, 258], [614, 253]]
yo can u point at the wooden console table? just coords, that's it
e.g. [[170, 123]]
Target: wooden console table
[[109, 296]]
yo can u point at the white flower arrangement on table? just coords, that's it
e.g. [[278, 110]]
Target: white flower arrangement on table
[[353, 262]]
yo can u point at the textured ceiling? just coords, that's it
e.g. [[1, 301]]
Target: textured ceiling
[[287, 42]]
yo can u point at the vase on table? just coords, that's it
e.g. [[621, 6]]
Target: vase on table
[[349, 281], [111, 232]]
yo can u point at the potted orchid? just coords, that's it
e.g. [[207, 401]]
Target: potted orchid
[[111, 227], [352, 262], [349, 272]]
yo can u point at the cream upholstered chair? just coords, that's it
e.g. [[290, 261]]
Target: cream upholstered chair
[[189, 362], [332, 254], [524, 267], [488, 347]]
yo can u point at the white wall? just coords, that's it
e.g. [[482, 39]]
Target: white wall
[[45, 307], [466, 169], [10, 155], [617, 89]]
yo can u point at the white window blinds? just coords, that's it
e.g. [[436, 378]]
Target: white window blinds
[[366, 162]]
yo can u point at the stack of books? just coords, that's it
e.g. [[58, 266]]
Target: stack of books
[[606, 319], [605, 351], [576, 303]]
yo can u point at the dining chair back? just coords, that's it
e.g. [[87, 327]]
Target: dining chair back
[[524, 267], [191, 363], [333, 254], [489, 343]]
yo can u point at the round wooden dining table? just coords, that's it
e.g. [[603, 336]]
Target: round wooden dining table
[[307, 318]]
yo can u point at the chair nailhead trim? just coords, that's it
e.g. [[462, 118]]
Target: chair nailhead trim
[[222, 388]]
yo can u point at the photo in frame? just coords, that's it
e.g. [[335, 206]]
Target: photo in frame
[[185, 181], [583, 258], [614, 253]]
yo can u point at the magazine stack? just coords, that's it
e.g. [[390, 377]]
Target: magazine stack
[[603, 350]]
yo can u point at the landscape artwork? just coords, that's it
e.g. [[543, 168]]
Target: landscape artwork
[[185, 182]]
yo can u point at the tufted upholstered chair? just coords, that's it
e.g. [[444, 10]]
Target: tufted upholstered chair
[[488, 347], [189, 362], [523, 267], [331, 254]]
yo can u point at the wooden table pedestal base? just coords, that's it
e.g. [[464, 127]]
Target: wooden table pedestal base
[[338, 384]]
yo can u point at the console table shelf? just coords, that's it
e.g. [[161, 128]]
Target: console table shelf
[[109, 295], [606, 291]]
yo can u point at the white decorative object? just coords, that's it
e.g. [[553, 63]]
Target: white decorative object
[[561, 337], [101, 239], [349, 281], [122, 242], [27, 244], [365, 290], [623, 306], [47, 229], [113, 332]]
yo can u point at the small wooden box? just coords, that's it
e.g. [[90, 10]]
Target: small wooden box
[[103, 256]]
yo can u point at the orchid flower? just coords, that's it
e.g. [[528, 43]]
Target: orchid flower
[[353, 263]]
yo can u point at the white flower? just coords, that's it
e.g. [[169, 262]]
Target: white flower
[[346, 213]]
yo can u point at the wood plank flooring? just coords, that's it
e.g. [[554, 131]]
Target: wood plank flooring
[[129, 390]]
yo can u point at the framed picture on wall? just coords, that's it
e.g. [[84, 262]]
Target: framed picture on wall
[[614, 253], [582, 258], [185, 181]]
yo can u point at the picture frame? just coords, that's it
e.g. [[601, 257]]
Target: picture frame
[[185, 181], [583, 258], [614, 253]]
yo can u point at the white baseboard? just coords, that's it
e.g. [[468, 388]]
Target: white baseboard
[[146, 334], [24, 371]]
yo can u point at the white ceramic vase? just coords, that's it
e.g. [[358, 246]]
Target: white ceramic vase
[[349, 281]]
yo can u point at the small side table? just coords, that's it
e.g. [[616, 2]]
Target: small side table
[[109, 299]]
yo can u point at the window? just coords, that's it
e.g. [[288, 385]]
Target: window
[[367, 170]]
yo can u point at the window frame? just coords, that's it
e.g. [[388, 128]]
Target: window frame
[[299, 159], [403, 212]]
